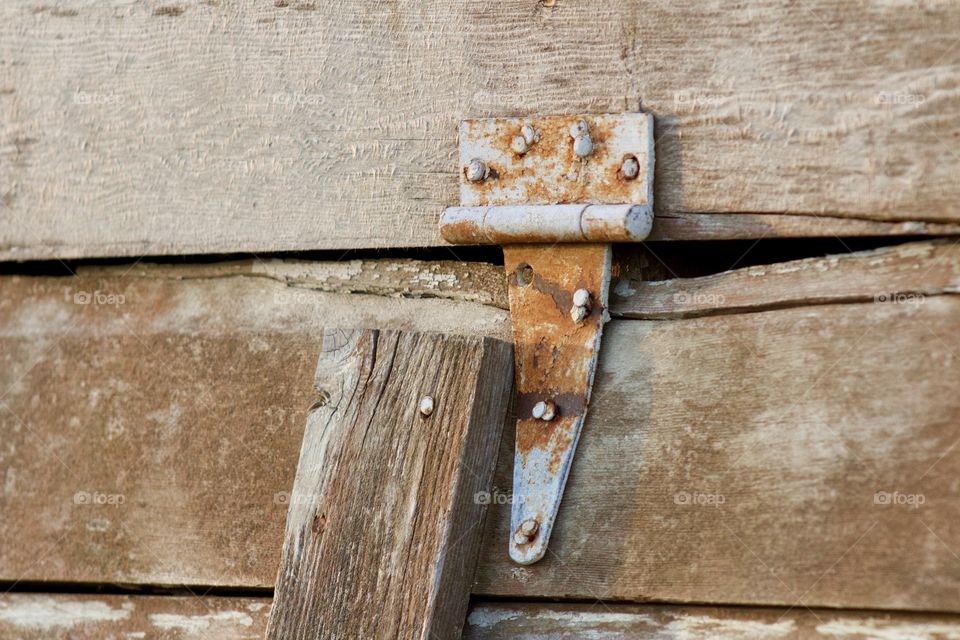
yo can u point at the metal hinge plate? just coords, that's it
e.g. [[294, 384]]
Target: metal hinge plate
[[530, 183]]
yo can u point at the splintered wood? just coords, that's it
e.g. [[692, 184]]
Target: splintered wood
[[384, 523]]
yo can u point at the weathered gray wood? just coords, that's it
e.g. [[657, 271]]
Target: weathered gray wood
[[508, 620], [183, 403], [30, 616], [905, 273], [192, 127], [200, 387], [383, 531]]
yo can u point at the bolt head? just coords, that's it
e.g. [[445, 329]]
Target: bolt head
[[579, 314], [519, 538], [539, 409], [426, 405], [581, 297], [527, 531], [477, 170], [579, 129], [582, 146], [529, 134], [630, 168], [519, 145], [550, 413], [544, 410]]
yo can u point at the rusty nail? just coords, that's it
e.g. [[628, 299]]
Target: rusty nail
[[477, 171], [519, 145], [426, 405], [581, 297], [527, 531], [544, 410], [529, 134], [630, 168]]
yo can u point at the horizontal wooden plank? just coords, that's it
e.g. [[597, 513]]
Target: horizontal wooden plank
[[195, 127], [154, 440], [905, 273], [496, 621], [150, 427], [800, 456], [29, 616]]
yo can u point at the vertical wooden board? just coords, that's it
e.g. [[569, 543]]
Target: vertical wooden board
[[384, 527]]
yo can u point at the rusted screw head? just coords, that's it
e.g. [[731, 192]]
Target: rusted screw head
[[519, 145], [630, 168], [582, 146], [529, 134], [544, 410], [426, 405], [579, 128], [581, 297], [477, 170], [527, 531]]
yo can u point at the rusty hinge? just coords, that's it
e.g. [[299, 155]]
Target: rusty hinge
[[555, 191]]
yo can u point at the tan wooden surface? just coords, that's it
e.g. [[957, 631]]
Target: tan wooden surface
[[192, 410], [383, 531], [29, 616], [492, 621], [151, 434], [196, 127]]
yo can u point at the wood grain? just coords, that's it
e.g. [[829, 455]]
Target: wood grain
[[150, 435], [198, 127], [796, 416], [384, 526], [498, 621], [905, 273], [36, 616]]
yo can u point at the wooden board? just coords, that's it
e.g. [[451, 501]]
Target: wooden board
[[500, 621], [383, 530], [150, 426], [797, 416], [195, 127], [35, 616]]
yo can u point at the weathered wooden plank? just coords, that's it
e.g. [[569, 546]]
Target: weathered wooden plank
[[29, 616], [497, 621], [782, 457], [150, 426], [193, 126], [905, 273], [798, 417], [382, 513]]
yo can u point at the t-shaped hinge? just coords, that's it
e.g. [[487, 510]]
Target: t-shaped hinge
[[538, 185]]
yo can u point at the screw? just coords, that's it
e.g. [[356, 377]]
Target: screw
[[582, 144], [581, 306], [630, 168], [426, 405], [579, 128], [527, 531], [477, 171], [544, 410], [529, 134], [519, 145]]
